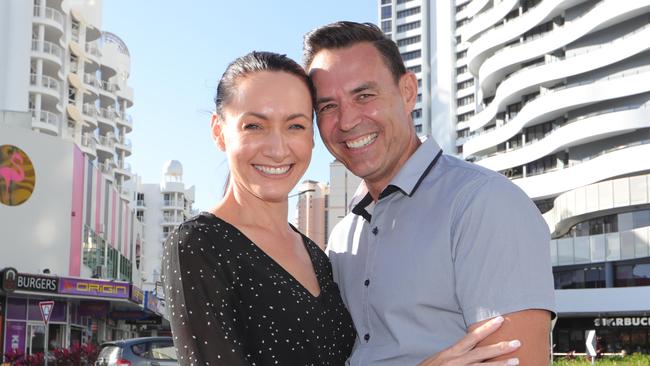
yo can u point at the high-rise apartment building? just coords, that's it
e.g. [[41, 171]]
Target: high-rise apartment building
[[312, 208], [160, 208], [342, 187], [554, 94], [423, 31]]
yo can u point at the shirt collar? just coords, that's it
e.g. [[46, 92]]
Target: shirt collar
[[408, 178]]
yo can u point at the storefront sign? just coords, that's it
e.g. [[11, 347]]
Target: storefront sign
[[9, 279], [154, 320], [13, 281], [622, 322], [78, 286], [151, 302], [15, 336], [137, 296]]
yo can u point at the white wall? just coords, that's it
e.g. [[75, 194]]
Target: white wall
[[36, 234]]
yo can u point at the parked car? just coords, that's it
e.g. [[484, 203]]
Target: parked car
[[147, 351]]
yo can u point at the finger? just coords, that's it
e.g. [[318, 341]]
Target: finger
[[488, 352], [472, 338], [508, 362]]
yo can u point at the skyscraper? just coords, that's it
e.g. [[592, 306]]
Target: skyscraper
[[554, 94]]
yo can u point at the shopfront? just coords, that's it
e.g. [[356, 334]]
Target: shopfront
[[81, 312], [614, 333]]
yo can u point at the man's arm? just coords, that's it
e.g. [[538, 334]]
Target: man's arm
[[532, 328]]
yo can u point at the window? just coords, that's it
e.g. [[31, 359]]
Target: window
[[592, 276], [407, 12], [411, 55], [415, 69], [460, 8], [408, 26], [419, 83], [465, 116], [386, 12], [384, 2], [403, 1], [416, 113], [465, 100], [418, 128], [418, 99], [465, 84], [462, 22], [461, 70], [386, 26], [632, 274], [408, 41], [461, 54]]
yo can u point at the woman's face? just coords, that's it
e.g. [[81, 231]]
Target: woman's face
[[267, 134]]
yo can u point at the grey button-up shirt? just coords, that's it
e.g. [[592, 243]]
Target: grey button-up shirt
[[447, 244]]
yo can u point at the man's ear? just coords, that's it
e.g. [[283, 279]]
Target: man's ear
[[216, 129], [408, 86]]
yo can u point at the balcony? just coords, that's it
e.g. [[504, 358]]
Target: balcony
[[124, 144], [91, 80], [48, 50], [107, 116], [92, 49], [88, 145], [123, 169], [170, 221], [125, 120], [107, 169], [46, 84], [106, 147], [45, 121], [49, 16]]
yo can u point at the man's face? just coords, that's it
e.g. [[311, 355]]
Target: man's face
[[363, 113]]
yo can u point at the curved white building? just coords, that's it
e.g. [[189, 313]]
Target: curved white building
[[560, 103], [58, 64]]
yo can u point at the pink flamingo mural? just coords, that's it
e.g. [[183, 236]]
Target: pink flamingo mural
[[14, 173]]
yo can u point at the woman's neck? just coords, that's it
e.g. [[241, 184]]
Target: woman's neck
[[241, 208]]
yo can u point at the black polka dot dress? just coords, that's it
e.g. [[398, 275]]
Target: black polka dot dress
[[232, 304]]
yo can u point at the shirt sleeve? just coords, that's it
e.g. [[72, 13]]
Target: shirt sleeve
[[500, 251], [202, 307]]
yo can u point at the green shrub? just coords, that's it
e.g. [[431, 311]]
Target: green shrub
[[633, 360]]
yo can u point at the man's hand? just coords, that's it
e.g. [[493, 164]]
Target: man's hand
[[465, 352]]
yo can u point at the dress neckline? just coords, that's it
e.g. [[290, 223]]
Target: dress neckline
[[305, 242]]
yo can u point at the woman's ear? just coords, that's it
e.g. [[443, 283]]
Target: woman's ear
[[216, 129]]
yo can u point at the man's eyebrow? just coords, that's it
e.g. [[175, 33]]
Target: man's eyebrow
[[358, 89], [364, 86]]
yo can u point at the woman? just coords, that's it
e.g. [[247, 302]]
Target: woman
[[243, 286]]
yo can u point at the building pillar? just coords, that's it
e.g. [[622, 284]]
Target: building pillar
[[609, 274]]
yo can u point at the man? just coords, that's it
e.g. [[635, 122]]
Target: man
[[437, 246]]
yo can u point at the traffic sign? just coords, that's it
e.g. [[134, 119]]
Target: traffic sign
[[591, 342], [46, 310]]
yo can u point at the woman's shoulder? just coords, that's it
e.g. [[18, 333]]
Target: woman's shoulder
[[203, 226]]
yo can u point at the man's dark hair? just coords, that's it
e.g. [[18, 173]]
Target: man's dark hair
[[252, 63], [344, 34]]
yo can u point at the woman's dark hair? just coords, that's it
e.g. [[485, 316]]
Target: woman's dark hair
[[253, 62], [344, 34]]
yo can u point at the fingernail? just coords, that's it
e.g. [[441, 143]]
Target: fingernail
[[514, 344], [512, 362], [498, 319]]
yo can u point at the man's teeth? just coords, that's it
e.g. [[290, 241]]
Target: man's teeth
[[361, 142], [272, 170]]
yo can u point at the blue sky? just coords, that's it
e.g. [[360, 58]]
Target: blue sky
[[179, 49]]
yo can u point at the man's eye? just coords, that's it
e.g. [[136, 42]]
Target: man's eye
[[252, 126], [364, 96], [326, 107]]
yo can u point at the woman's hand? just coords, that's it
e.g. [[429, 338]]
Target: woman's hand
[[464, 351]]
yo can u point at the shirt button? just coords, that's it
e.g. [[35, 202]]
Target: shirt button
[[366, 283], [375, 230], [366, 337]]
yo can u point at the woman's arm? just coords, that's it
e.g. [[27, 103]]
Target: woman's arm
[[203, 308]]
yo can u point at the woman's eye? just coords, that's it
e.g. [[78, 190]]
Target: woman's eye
[[297, 126]]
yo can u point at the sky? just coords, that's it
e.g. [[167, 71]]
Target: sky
[[179, 49]]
